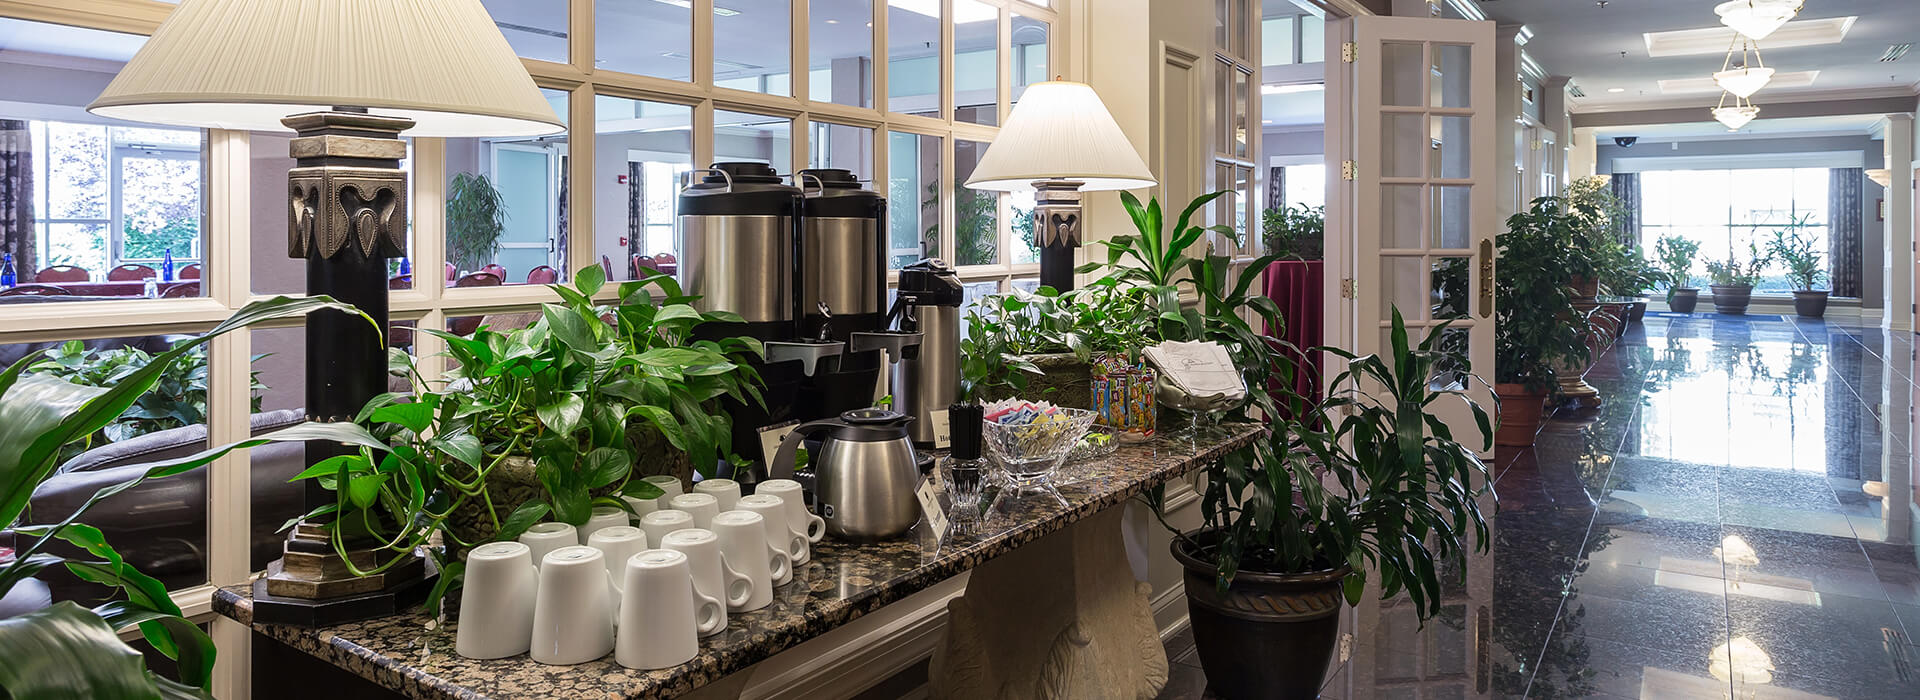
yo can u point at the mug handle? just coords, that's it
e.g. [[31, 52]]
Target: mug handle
[[798, 548], [706, 611], [738, 586], [782, 564], [816, 528]]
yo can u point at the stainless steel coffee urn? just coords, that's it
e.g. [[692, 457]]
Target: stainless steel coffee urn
[[842, 255], [928, 302], [737, 230]]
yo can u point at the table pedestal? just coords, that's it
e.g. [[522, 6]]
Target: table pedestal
[[1062, 617]]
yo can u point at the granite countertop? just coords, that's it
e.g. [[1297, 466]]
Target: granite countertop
[[411, 654]]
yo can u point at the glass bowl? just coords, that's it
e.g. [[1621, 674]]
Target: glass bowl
[[1031, 452]]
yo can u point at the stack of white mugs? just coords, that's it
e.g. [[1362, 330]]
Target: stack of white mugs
[[646, 594]]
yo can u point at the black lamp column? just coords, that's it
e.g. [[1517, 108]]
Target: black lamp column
[[1056, 230]]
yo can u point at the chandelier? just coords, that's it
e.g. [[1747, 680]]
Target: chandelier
[[1755, 19], [1751, 75]]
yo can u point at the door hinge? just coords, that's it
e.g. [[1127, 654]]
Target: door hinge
[[1348, 290], [1349, 51], [1349, 170]]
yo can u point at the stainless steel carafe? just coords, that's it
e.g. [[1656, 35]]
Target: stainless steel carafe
[[737, 227], [928, 303], [866, 472], [842, 270]]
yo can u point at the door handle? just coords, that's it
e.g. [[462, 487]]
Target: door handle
[[549, 246], [1486, 278]]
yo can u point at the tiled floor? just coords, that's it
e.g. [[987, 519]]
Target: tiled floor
[[1737, 520]]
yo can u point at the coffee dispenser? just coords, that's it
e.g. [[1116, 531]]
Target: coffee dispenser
[[928, 303], [737, 229]]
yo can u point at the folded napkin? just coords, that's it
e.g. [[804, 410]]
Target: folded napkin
[[1201, 369]]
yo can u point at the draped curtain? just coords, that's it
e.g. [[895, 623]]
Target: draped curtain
[[1276, 187], [16, 197], [1843, 228], [1626, 189], [636, 208]]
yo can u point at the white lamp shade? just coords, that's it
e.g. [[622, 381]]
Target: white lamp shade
[[245, 64], [1060, 131], [1743, 81], [1755, 19], [1735, 117]]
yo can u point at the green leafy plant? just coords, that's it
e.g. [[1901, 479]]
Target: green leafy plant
[[1297, 231], [1592, 215], [1536, 326], [1676, 261], [178, 397], [1734, 271], [1629, 273], [66, 650], [476, 219], [1794, 248]]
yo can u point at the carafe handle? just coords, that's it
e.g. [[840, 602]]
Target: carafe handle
[[782, 465]]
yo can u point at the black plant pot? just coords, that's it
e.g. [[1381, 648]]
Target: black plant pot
[[1732, 298], [1809, 303], [1683, 301], [1267, 635], [1636, 310]]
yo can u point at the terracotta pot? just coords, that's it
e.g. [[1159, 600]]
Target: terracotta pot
[[1683, 301], [1732, 298], [1810, 303], [1520, 411], [1267, 635]]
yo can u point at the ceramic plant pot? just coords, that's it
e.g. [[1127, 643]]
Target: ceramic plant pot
[[1267, 635], [1732, 298], [1520, 412], [1810, 303], [1683, 301]]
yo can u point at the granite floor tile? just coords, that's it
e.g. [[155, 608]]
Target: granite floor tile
[[1833, 637]]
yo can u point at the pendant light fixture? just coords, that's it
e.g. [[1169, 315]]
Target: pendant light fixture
[[1755, 19], [1737, 115], [1751, 75]]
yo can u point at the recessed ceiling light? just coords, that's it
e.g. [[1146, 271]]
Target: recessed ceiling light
[[717, 10], [967, 13], [1616, 89], [833, 21]]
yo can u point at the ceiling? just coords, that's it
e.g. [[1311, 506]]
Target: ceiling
[[1804, 127], [1605, 48]]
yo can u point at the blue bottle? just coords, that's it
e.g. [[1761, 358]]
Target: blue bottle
[[166, 266], [8, 277], [406, 268]]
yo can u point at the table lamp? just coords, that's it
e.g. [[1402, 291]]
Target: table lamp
[[348, 76], [1059, 141]]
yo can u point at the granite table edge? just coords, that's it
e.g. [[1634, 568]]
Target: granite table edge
[[235, 602]]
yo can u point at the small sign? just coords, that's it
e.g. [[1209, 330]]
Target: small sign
[[770, 438], [942, 429], [929, 496]]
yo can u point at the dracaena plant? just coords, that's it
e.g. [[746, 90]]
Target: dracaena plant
[[66, 650], [1794, 248], [1734, 271]]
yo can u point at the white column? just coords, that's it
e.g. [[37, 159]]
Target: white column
[[1899, 231]]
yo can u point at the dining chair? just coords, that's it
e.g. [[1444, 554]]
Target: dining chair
[[63, 273], [35, 290], [497, 270], [190, 272], [453, 273], [184, 290], [544, 274], [130, 272]]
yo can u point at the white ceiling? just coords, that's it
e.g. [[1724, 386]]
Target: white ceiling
[[1758, 128], [27, 37], [1605, 47]]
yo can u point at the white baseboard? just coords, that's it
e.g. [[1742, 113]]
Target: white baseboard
[[1170, 610]]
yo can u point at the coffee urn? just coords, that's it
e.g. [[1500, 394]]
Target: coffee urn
[[737, 229], [842, 255], [928, 303]]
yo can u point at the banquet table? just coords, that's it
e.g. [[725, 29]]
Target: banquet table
[[125, 288]]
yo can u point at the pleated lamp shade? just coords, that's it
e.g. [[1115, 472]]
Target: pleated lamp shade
[[1060, 131], [245, 64]]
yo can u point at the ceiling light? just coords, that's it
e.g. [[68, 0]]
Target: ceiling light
[[1286, 89], [1706, 83], [1757, 18], [1699, 42], [1735, 117], [963, 13], [1743, 81], [1616, 89]]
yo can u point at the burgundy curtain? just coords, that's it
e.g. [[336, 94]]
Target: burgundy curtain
[[16, 197], [1298, 287]]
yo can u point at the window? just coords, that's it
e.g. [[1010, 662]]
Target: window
[[115, 195], [643, 151], [1726, 210], [913, 198], [507, 215]]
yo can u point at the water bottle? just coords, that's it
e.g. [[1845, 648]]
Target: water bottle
[[151, 289], [7, 276], [166, 266], [406, 268]]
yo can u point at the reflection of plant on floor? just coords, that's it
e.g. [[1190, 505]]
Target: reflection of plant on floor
[[178, 397], [476, 219]]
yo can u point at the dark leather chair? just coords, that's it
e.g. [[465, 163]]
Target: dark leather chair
[[160, 526]]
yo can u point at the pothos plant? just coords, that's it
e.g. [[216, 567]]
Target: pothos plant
[[562, 393], [65, 650], [1104, 318]]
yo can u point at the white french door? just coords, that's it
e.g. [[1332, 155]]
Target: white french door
[[1416, 217]]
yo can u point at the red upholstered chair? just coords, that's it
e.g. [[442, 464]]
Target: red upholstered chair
[[665, 262], [185, 290], [190, 272], [400, 282], [466, 325], [543, 274], [35, 290], [452, 272], [63, 273], [130, 273], [497, 271]]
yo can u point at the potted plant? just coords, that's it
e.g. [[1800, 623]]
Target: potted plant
[[476, 219], [65, 650], [1805, 268], [1591, 211], [1280, 548], [1534, 330], [1630, 275], [1676, 264], [1296, 232], [1733, 280]]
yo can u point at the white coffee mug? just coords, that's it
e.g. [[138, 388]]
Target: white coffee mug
[[663, 616], [798, 518], [660, 522], [743, 539], [620, 543], [496, 602], [573, 611], [669, 484], [774, 510], [701, 506], [725, 491], [603, 517], [711, 574], [543, 538], [641, 507]]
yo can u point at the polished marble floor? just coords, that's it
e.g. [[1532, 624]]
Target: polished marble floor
[[1736, 520]]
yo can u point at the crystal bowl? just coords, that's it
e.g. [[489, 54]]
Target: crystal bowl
[[1034, 450]]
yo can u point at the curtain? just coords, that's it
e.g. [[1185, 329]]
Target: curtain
[[636, 208], [1626, 188], [1276, 187], [16, 197], [1844, 201]]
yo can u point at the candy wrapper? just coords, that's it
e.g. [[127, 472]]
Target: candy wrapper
[[1123, 396]]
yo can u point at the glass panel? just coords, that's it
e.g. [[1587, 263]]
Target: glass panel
[[840, 52], [913, 57], [1223, 95], [1400, 218], [159, 208], [753, 42], [1400, 278], [1313, 39], [667, 51], [843, 147], [270, 271], [1305, 185], [1242, 208], [1450, 285], [1453, 75], [1237, 28], [1452, 218], [1452, 147], [740, 136], [75, 168], [507, 208], [1403, 145], [976, 213], [913, 175], [1222, 18], [1242, 92], [976, 62], [1029, 60], [536, 29], [1452, 369], [971, 293], [1021, 204], [1400, 69], [641, 151], [1276, 41], [1029, 284]]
